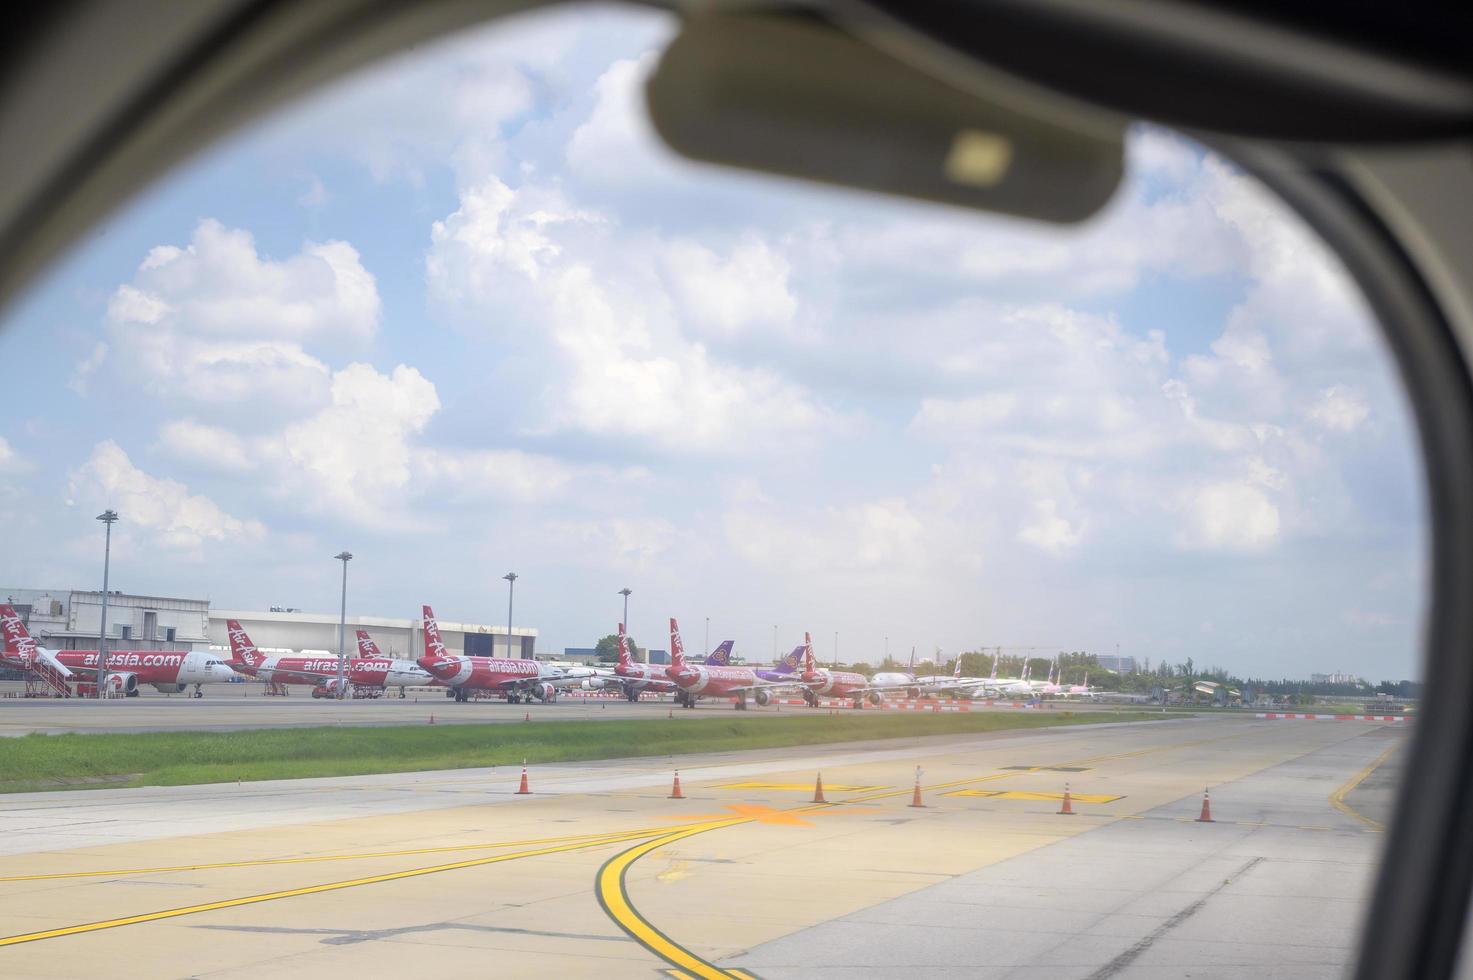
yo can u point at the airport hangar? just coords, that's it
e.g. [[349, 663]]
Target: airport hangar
[[69, 619]]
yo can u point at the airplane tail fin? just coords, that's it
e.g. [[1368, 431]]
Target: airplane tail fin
[[956, 671], [994, 667], [677, 648], [721, 656], [434, 646], [808, 666], [624, 660], [18, 642], [242, 650], [367, 649]]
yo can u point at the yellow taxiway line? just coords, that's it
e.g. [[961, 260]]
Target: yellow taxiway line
[[1337, 798], [317, 858], [228, 903]]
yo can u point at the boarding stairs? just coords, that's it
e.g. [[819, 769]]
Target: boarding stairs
[[45, 681]]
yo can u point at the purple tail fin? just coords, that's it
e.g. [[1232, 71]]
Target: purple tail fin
[[721, 656], [792, 663]]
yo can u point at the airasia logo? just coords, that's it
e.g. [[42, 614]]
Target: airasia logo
[[130, 659]]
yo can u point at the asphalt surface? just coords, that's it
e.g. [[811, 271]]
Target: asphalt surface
[[599, 872], [236, 707]]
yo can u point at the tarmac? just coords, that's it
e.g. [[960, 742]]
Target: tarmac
[[597, 871], [238, 707]]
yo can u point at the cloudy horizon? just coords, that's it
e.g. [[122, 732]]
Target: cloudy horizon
[[462, 315]]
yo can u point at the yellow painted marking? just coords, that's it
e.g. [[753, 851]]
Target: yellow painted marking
[[228, 903], [317, 858], [800, 787], [614, 899], [1013, 794], [1337, 798]]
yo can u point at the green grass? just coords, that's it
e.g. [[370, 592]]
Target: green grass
[[40, 762]]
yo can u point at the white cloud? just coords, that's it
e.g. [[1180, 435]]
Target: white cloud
[[548, 271], [1231, 516], [219, 285], [87, 367], [352, 458], [727, 293], [206, 446], [1340, 409], [215, 323], [164, 509]]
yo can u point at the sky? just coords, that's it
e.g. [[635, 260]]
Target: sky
[[462, 314]]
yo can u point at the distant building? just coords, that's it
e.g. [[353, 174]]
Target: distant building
[[581, 655], [65, 619], [395, 637], [1338, 677], [658, 656], [1120, 665]]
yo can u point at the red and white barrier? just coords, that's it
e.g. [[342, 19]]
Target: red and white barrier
[[1317, 717]]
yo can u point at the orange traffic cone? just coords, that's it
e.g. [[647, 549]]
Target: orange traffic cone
[[526, 716], [1067, 809], [818, 790], [1206, 816], [915, 798], [523, 790], [669, 712], [675, 793], [432, 717]]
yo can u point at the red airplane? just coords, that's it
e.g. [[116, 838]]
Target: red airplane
[[367, 672], [834, 683], [698, 680], [514, 679], [170, 671]]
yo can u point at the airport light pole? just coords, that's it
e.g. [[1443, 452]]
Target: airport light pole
[[344, 557], [511, 586], [107, 517], [707, 646], [625, 592]]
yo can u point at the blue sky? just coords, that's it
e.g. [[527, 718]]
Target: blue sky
[[462, 314]]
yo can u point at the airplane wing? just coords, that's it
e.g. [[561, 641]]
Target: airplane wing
[[765, 686], [312, 676]]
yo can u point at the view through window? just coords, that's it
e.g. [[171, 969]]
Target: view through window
[[973, 486]]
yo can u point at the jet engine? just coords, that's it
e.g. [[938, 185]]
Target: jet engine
[[762, 697], [598, 683], [328, 688], [125, 683], [545, 692], [171, 688]]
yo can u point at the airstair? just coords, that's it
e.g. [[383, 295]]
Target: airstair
[[45, 681]]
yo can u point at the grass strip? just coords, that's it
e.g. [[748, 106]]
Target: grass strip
[[77, 761]]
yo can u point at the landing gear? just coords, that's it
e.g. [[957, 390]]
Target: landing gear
[[461, 694], [741, 702], [810, 697], [513, 698], [197, 692], [631, 694]]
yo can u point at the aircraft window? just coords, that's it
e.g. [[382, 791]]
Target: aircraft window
[[465, 311]]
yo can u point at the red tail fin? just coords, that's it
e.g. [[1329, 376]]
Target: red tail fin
[[623, 648], [677, 648], [434, 646], [242, 650], [367, 649], [18, 642], [956, 672], [808, 667]]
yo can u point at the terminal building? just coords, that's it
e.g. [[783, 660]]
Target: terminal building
[[68, 619]]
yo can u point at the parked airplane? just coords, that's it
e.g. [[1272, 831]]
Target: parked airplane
[[907, 683], [788, 670], [169, 671], [819, 681], [634, 678], [698, 681], [369, 671], [513, 678]]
